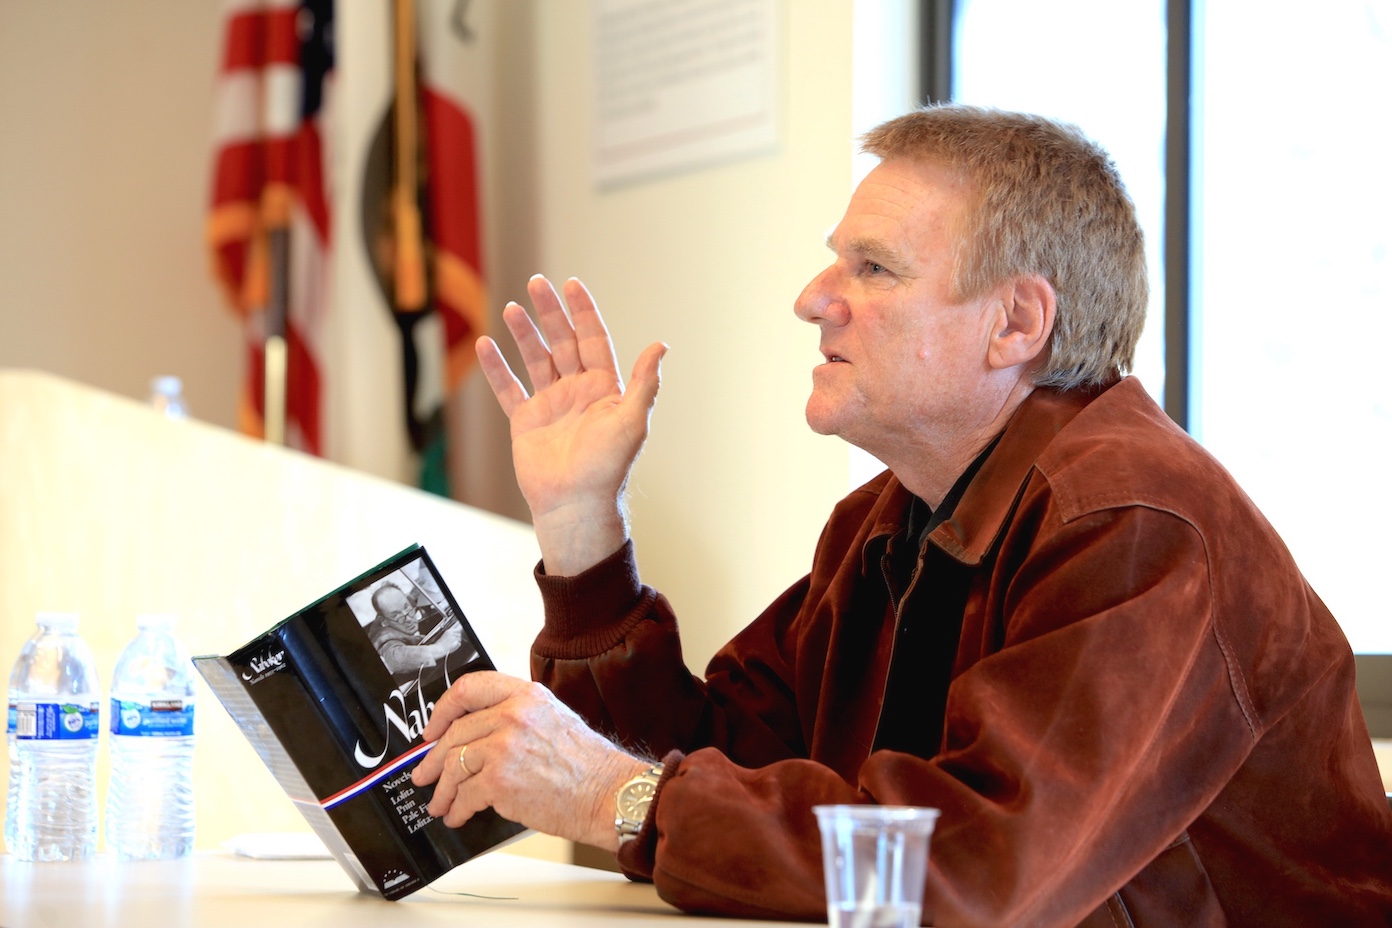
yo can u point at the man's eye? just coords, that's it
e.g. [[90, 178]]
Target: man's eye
[[874, 268]]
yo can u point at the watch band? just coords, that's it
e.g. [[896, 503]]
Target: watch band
[[632, 802]]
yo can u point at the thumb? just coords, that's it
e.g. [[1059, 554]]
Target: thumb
[[646, 377]]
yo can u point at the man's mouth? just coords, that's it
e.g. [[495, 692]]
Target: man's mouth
[[834, 358]]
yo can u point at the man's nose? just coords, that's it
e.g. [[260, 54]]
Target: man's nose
[[821, 301]]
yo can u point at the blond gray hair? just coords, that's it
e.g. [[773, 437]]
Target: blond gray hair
[[1043, 200]]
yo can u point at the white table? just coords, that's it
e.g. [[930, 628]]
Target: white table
[[215, 889]]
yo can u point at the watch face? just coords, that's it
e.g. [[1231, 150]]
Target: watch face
[[634, 799]]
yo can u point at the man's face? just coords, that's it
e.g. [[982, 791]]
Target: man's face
[[901, 358], [397, 609]]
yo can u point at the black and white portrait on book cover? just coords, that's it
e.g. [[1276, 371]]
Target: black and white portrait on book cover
[[411, 625]]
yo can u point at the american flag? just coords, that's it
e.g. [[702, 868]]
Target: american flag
[[268, 228], [408, 135]]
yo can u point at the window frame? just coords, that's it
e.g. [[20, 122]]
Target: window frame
[[937, 27]]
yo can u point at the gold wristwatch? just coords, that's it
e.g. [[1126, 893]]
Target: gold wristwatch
[[633, 801]]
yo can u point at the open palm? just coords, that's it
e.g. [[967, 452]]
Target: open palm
[[575, 438]]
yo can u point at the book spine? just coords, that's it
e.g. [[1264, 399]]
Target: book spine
[[228, 686], [368, 802]]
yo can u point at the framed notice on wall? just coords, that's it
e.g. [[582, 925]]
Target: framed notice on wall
[[680, 84]]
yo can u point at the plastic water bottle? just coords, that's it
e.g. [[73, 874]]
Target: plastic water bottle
[[167, 396], [54, 726], [149, 802]]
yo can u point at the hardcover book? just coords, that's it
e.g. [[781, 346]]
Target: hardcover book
[[334, 700]]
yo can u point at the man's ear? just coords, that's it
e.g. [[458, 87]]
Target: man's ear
[[1025, 319]]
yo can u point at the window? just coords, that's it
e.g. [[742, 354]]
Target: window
[[1289, 195], [1292, 283], [1095, 63]]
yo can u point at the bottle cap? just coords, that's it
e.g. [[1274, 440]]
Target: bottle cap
[[166, 385], [161, 621], [65, 621]]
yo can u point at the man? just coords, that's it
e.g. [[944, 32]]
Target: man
[[1054, 617], [396, 634]]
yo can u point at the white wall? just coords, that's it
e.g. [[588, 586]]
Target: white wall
[[105, 117], [104, 139], [732, 491], [110, 510]]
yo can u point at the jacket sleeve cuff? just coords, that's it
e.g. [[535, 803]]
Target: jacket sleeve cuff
[[638, 857], [591, 612]]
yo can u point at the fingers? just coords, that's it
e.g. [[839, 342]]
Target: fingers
[[567, 338], [469, 694], [506, 387], [535, 353], [457, 797], [510, 744], [559, 342], [595, 345], [472, 692], [578, 338], [441, 763], [555, 326], [464, 731]]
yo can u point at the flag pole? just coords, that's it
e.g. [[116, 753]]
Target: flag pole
[[410, 251], [274, 352]]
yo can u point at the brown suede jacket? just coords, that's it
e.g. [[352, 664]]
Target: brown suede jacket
[[1151, 719]]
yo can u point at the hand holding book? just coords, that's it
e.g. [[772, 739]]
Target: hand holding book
[[528, 756], [336, 699]]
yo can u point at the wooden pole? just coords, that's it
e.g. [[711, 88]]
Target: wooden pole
[[275, 357], [410, 251]]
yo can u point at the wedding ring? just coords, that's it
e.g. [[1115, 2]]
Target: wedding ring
[[463, 763]]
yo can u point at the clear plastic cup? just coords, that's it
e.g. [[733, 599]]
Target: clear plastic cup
[[876, 861]]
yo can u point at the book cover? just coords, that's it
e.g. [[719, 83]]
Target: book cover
[[334, 700]]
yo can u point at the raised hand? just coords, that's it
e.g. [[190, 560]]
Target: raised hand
[[576, 436]]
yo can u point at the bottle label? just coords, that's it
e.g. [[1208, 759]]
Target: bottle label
[[158, 718], [54, 721]]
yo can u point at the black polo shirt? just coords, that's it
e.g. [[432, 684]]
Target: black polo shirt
[[927, 595]]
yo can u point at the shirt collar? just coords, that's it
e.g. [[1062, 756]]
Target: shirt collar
[[971, 529]]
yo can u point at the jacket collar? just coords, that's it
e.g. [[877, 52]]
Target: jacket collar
[[972, 529]]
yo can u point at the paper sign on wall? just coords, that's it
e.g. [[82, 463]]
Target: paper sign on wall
[[681, 83]]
